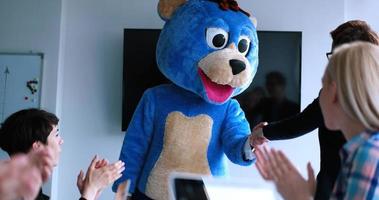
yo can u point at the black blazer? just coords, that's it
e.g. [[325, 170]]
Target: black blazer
[[330, 143]]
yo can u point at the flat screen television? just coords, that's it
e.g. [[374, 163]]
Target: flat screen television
[[274, 93]]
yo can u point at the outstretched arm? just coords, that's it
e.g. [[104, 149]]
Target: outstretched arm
[[304, 122], [235, 134]]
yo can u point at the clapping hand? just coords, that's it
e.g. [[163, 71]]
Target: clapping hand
[[273, 165], [21, 177], [99, 175]]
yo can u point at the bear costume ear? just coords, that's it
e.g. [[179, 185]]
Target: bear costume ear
[[167, 7], [254, 21]]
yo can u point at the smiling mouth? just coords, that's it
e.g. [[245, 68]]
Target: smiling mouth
[[215, 92]]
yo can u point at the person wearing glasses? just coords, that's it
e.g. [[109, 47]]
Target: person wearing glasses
[[348, 103], [311, 117]]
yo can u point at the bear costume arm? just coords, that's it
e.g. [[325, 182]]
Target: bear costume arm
[[137, 141], [235, 133]]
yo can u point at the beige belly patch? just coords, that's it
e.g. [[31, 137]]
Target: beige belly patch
[[185, 147]]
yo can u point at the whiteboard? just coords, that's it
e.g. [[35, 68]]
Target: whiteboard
[[20, 82]]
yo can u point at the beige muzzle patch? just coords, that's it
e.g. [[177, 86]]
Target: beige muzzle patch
[[185, 147], [216, 67]]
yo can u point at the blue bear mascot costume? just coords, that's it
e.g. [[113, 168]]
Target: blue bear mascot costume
[[209, 50]]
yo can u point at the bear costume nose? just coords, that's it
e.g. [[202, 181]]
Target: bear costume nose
[[237, 66]]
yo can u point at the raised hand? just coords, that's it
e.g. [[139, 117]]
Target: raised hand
[[257, 138], [21, 177], [80, 180], [274, 165], [99, 175], [261, 164], [43, 159]]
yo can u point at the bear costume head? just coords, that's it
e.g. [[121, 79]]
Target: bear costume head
[[209, 47]]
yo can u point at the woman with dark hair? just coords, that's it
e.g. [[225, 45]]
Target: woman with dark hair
[[349, 103], [311, 117]]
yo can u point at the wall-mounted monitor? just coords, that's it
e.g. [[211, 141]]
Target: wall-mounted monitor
[[274, 93]]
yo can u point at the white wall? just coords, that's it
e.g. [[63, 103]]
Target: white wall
[[34, 26], [88, 59], [27, 26], [364, 10], [92, 81], [91, 104]]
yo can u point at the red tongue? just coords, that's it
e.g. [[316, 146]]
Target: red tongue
[[215, 92]]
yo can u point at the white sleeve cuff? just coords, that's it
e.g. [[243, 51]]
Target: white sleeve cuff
[[248, 152]]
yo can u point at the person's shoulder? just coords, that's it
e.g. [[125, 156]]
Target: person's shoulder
[[365, 160], [161, 87], [369, 149], [158, 90]]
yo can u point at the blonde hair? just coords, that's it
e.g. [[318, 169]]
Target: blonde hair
[[355, 69]]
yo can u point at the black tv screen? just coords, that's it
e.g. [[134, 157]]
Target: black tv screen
[[273, 95]]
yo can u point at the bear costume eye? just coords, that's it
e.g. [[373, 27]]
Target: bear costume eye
[[217, 38], [243, 45]]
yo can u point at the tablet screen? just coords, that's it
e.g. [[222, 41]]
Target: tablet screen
[[189, 189], [198, 188]]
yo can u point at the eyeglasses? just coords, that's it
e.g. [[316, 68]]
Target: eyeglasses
[[329, 54]]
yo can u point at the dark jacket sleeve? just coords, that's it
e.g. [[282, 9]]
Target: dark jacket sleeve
[[306, 121]]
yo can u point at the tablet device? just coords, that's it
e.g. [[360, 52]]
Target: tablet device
[[184, 186], [190, 189]]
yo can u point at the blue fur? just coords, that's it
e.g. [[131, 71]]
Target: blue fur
[[178, 52], [181, 46], [144, 138]]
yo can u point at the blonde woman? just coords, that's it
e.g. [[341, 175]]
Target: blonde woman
[[349, 102]]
